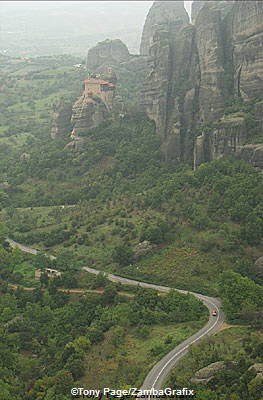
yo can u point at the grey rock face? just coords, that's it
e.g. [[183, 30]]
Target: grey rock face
[[197, 5], [161, 12], [226, 138], [87, 113], [61, 125], [195, 8], [258, 367], [76, 144], [142, 249], [209, 41], [169, 95], [106, 53], [136, 64], [206, 374], [196, 70], [154, 92], [199, 151], [253, 154], [25, 156], [248, 48]]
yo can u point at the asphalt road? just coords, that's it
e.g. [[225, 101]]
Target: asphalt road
[[158, 374], [160, 371]]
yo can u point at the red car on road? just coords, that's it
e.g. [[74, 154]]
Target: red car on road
[[214, 313]]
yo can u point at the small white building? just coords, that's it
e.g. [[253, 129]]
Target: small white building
[[51, 273]]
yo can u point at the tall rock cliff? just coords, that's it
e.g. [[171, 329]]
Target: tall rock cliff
[[198, 72], [196, 7], [162, 12], [210, 45], [231, 71], [171, 84], [107, 52], [248, 48]]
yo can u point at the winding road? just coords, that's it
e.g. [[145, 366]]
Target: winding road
[[158, 374]]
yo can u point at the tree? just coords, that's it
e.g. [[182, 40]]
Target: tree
[[206, 394], [81, 344], [66, 261], [41, 261], [100, 281], [3, 232], [63, 382], [255, 388], [239, 294], [109, 295], [122, 254]]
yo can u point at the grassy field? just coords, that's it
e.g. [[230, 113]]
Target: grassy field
[[111, 366]]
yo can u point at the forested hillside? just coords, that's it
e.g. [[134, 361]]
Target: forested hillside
[[113, 205]]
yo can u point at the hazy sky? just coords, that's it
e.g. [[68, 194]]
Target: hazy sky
[[39, 27], [187, 5]]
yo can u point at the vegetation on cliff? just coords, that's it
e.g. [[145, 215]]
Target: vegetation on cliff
[[94, 206]]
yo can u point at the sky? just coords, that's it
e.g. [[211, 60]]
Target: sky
[[42, 27], [187, 5]]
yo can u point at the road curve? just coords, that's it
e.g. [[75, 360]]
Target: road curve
[[160, 371], [157, 375]]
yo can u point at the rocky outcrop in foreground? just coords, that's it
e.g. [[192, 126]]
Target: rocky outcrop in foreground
[[206, 374], [258, 368]]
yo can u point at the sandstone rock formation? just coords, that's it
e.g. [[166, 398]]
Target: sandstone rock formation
[[162, 12], [76, 144], [206, 374], [169, 93], [106, 53], [225, 138], [25, 157], [209, 40], [196, 7], [116, 54], [142, 249], [253, 154], [258, 367], [197, 71], [87, 112], [61, 125], [248, 48]]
